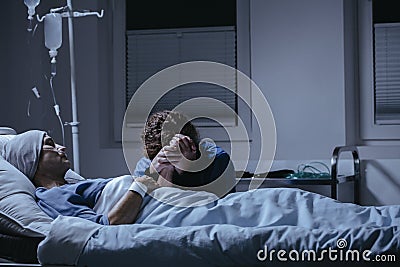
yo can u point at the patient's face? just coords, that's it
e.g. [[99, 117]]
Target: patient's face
[[53, 159]]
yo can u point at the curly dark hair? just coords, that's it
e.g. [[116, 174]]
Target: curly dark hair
[[161, 127]]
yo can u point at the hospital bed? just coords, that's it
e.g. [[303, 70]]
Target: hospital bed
[[74, 241]]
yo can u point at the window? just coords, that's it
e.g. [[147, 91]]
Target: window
[[148, 39], [174, 33], [150, 51], [386, 21], [379, 65]]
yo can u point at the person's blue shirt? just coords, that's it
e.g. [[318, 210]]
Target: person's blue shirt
[[220, 167], [77, 200]]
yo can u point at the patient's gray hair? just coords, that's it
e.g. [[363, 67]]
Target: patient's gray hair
[[23, 151]]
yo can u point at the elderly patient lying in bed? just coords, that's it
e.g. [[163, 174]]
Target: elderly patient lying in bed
[[104, 201], [45, 163]]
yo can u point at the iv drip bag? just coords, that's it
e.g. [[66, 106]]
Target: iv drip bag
[[31, 4], [53, 33]]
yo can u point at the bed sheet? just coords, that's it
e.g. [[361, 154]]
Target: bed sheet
[[237, 230]]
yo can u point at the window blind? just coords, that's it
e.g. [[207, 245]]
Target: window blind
[[387, 73], [150, 51]]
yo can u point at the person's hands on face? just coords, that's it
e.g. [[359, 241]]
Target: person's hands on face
[[148, 182], [170, 158], [186, 145], [183, 146]]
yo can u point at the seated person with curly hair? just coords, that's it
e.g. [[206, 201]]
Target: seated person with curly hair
[[173, 150]]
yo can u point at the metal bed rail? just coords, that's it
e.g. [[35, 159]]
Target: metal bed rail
[[337, 178]]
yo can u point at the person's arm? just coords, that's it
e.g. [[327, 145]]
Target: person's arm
[[126, 210], [128, 207], [224, 171]]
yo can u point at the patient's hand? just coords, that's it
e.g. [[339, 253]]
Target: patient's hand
[[148, 182], [161, 165]]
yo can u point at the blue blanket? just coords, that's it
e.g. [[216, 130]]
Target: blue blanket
[[239, 230]]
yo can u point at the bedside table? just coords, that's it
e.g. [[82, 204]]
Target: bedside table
[[333, 182]]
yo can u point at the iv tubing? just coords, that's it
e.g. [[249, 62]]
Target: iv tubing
[[57, 110], [74, 124]]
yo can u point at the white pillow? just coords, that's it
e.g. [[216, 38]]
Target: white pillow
[[7, 130], [19, 213], [4, 139]]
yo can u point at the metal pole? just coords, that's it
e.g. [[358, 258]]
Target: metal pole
[[74, 124]]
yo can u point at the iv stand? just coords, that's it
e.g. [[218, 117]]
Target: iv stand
[[75, 123]]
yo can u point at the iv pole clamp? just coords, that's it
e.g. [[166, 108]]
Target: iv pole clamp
[[75, 14], [67, 12]]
